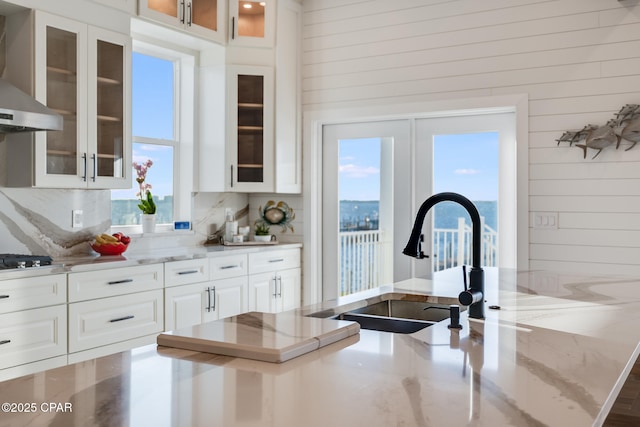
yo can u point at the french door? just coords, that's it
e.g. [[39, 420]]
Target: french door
[[366, 205]]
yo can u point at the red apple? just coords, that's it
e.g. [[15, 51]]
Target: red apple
[[125, 239]]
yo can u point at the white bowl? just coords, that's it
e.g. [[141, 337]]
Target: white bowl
[[262, 238]]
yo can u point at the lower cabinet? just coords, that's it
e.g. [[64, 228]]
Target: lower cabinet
[[32, 335], [275, 292], [190, 305], [106, 321]]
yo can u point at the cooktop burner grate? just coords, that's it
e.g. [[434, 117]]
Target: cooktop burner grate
[[8, 261]]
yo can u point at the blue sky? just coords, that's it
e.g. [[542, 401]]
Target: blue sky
[[152, 116], [463, 163]]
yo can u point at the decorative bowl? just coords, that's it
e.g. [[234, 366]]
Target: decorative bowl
[[109, 248]]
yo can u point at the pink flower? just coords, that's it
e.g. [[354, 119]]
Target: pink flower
[[141, 172]]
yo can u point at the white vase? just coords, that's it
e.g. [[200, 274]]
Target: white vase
[[148, 222], [258, 238]]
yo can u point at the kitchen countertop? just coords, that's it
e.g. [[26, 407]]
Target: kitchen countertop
[[555, 353], [98, 262]]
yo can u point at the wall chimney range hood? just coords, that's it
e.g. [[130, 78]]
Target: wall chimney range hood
[[20, 112]]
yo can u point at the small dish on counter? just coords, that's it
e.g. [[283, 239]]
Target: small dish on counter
[[115, 248]]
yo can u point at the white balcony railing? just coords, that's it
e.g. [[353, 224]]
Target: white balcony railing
[[366, 259]]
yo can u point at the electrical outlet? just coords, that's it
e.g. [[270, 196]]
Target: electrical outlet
[[76, 218]]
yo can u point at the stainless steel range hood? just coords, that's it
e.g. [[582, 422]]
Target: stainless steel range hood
[[20, 112]]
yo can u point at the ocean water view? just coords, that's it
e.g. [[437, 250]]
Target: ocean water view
[[364, 215]]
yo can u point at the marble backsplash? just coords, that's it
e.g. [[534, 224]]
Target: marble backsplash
[[38, 221]]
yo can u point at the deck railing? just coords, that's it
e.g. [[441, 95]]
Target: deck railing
[[365, 256]]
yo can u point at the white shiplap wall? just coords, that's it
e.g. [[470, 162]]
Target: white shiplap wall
[[578, 61]]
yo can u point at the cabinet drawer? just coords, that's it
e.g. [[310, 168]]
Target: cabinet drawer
[[110, 320], [274, 260], [225, 267], [31, 335], [107, 283], [186, 272], [32, 292]]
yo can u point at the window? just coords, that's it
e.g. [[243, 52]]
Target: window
[[159, 78]]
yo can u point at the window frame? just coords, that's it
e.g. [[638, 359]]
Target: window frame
[[183, 138]]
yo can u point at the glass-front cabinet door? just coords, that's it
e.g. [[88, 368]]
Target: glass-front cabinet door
[[109, 126], [83, 73], [202, 17], [250, 128], [252, 22], [61, 85]]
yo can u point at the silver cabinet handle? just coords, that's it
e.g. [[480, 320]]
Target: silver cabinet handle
[[5, 342], [275, 287], [4, 296], [280, 290], [276, 260], [189, 14], [94, 157], [231, 173], [181, 12], [118, 282], [188, 272], [210, 306], [84, 161], [120, 319], [227, 267]]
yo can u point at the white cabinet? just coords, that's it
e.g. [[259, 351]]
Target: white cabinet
[[33, 324], [250, 150], [114, 310], [274, 281], [128, 6], [84, 74], [253, 22], [223, 293], [205, 18]]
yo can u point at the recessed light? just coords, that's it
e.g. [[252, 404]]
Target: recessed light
[[263, 3], [247, 5]]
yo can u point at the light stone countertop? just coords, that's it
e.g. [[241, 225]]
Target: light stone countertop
[[100, 262], [555, 354]]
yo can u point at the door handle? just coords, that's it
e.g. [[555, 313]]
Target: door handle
[[84, 161], [181, 12], [94, 157], [117, 282], [189, 14], [187, 272]]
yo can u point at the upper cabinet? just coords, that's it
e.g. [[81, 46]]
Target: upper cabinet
[[205, 18], [250, 128], [82, 73], [253, 22]]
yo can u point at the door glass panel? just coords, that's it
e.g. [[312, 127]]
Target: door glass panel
[[361, 260], [168, 7], [110, 119], [465, 164], [205, 13], [250, 128], [251, 18], [62, 98]]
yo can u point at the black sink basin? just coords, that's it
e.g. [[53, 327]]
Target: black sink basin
[[386, 324]]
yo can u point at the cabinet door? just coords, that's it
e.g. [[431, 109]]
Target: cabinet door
[[262, 293], [183, 306], [61, 84], [252, 22], [109, 109], [288, 289], [231, 297], [205, 18], [250, 127]]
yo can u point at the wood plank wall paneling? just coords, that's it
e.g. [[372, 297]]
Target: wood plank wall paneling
[[578, 61]]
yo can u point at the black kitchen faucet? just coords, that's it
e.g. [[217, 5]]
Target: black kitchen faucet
[[474, 295]]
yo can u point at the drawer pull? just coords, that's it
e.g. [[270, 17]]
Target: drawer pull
[[118, 282], [4, 296], [5, 342], [188, 272], [120, 319], [276, 260], [227, 267]]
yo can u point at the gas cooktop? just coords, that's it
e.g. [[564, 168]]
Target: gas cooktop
[[8, 261]]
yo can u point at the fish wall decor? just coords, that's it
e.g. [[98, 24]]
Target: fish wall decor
[[626, 126]]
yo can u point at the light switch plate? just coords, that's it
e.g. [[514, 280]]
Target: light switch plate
[[545, 220]]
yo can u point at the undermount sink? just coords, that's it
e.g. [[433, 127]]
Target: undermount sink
[[400, 316]]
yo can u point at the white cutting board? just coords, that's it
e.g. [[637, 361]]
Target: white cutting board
[[270, 337]]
